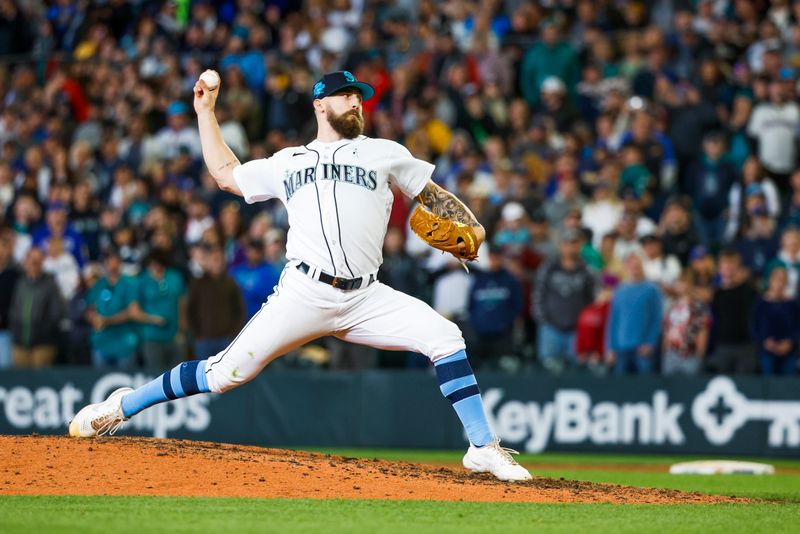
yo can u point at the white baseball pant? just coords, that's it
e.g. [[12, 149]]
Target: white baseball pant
[[302, 309]]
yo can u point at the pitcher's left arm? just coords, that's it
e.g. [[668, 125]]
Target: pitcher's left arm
[[461, 236], [445, 204]]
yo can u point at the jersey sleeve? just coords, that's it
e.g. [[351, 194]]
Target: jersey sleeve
[[409, 173], [257, 180]]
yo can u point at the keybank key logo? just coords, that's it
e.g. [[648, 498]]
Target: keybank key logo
[[721, 409]]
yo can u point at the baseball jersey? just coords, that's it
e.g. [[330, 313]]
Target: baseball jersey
[[337, 196]]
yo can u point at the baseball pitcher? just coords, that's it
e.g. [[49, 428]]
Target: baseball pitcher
[[336, 190]]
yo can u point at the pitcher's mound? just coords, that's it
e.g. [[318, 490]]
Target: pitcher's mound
[[47, 465]]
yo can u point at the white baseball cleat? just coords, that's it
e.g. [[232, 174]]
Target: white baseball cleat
[[101, 418], [497, 460]]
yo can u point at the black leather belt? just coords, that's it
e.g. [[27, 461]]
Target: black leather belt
[[339, 283]]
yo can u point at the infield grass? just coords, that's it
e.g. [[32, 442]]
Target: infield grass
[[177, 515]]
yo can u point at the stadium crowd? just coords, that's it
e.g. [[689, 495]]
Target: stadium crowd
[[634, 164]]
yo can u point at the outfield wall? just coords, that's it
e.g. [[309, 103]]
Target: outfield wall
[[719, 415]]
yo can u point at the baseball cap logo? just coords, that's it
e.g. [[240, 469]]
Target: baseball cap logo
[[333, 82], [319, 88]]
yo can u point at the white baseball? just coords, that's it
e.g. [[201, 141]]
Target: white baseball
[[211, 78]]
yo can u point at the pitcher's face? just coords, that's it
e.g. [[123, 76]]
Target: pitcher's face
[[343, 112]]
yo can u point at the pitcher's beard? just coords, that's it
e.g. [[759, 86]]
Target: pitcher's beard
[[349, 124]]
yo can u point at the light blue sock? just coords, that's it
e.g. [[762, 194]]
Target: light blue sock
[[188, 378], [458, 384]]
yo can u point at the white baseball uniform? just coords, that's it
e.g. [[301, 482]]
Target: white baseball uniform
[[338, 200]]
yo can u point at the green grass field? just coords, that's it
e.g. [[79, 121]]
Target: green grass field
[[150, 514]]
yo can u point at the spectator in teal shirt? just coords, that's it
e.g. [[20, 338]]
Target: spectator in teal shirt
[[549, 57], [114, 338], [158, 307]]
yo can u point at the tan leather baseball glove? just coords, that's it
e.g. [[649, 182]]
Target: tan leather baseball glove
[[445, 234]]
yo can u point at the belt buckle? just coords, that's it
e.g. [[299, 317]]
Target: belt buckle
[[335, 282]]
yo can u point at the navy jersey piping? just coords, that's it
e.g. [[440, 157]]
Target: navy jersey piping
[[319, 207], [336, 205]]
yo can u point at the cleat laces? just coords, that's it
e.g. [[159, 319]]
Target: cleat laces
[[504, 452], [108, 423]]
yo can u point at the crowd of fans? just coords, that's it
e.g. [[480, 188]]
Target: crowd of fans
[[634, 164]]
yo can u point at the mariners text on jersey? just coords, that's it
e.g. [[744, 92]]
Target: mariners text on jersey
[[350, 174], [338, 197]]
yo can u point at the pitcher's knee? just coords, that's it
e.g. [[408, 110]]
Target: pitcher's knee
[[224, 374], [449, 340]]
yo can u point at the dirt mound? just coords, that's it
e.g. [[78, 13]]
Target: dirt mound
[[47, 465]]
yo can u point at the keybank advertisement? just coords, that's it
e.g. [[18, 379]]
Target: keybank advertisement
[[725, 415], [715, 415]]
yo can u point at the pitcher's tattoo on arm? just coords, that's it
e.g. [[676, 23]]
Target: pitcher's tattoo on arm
[[445, 204], [231, 163]]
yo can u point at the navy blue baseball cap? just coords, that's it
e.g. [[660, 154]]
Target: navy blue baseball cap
[[336, 81]]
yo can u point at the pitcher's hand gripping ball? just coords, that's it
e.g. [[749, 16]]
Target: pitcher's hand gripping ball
[[444, 234], [211, 78]]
